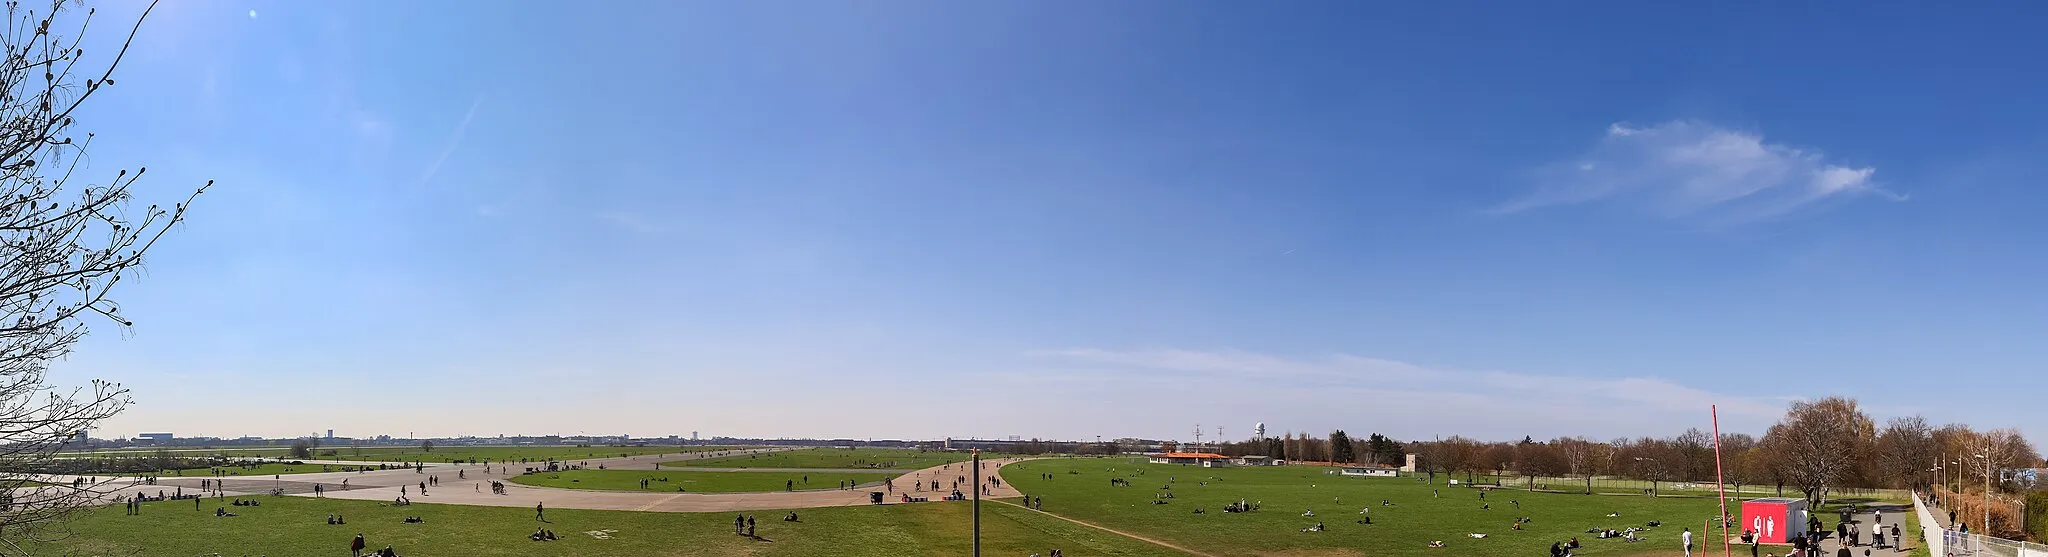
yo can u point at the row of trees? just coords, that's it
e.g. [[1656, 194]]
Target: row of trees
[[1818, 445]]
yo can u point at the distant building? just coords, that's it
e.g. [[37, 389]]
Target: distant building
[[155, 437], [1205, 460], [1376, 471], [1255, 460], [330, 434]]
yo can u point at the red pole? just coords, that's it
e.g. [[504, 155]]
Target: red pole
[[1719, 481]]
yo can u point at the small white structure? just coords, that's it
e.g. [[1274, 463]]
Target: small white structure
[[1205, 460], [1375, 471], [1255, 460]]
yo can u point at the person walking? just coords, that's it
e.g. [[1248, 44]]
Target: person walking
[[355, 548], [1899, 543], [540, 512], [1684, 537], [739, 523]]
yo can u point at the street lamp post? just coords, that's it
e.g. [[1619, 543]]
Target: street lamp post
[[1986, 525]]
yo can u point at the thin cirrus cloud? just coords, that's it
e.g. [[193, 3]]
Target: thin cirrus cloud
[[1686, 169], [1388, 393], [454, 141]]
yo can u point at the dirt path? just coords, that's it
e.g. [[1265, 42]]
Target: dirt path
[[1113, 531]]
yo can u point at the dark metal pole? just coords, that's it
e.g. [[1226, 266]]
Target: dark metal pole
[[977, 502]]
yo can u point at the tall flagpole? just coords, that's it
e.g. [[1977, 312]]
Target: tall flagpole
[[1720, 481]]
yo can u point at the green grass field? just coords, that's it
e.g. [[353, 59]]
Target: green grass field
[[501, 454], [237, 452], [694, 482], [297, 526], [894, 459], [413, 453], [1080, 489]]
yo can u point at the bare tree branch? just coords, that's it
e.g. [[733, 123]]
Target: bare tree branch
[[63, 248]]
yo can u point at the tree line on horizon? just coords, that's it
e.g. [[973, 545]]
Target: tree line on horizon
[[1816, 446]]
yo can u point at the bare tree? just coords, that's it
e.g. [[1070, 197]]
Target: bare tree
[[1694, 450], [1581, 458], [1431, 456], [1461, 454], [1820, 443], [1735, 455], [1536, 459], [1905, 451], [65, 240]]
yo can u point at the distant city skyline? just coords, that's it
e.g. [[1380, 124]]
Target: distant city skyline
[[923, 219]]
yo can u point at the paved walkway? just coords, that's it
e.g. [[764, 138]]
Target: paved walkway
[[386, 485]]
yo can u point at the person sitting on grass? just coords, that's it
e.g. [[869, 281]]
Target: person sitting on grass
[[222, 512], [387, 552], [1437, 544], [791, 517]]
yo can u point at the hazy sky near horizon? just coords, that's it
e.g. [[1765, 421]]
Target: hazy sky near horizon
[[1070, 219]]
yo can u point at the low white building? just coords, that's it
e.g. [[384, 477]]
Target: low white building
[[1375, 471], [1205, 460]]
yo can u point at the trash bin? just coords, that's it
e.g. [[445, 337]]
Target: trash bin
[[875, 497]]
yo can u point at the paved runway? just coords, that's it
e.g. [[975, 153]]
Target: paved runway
[[469, 484]]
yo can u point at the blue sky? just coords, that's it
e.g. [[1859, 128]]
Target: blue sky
[[926, 219]]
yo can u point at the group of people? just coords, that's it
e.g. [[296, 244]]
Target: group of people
[[1848, 533], [743, 525], [355, 549], [334, 519]]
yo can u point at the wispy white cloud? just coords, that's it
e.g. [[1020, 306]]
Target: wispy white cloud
[[1343, 389], [630, 221], [1685, 168], [370, 127], [454, 141]]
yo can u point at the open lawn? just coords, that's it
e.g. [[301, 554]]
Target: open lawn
[[501, 454], [1080, 489], [694, 482], [235, 452], [297, 526], [894, 459], [507, 453]]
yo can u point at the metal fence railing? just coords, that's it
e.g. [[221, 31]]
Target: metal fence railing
[[1943, 542], [1609, 484]]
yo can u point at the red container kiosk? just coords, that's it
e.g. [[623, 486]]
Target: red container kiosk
[[1774, 520]]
